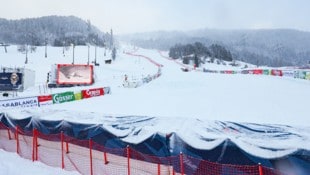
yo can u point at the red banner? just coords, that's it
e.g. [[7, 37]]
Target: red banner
[[228, 72], [92, 92], [44, 98], [276, 72], [256, 71]]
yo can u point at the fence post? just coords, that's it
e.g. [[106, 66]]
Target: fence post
[[34, 144], [37, 144], [91, 156], [9, 134], [181, 164], [128, 159], [17, 139], [158, 169], [62, 150], [105, 158], [260, 169], [67, 147]]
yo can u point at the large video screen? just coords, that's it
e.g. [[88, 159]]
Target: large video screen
[[10, 80], [74, 74]]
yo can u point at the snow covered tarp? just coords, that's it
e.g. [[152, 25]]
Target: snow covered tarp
[[277, 146]]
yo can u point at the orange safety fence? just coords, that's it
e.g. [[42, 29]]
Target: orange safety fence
[[88, 157]]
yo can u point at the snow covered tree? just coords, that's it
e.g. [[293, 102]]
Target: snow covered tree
[[114, 54]]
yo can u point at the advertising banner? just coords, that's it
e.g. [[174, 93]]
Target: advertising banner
[[78, 96], [63, 97], [302, 74], [228, 72], [74, 74], [275, 72], [21, 102], [288, 73], [45, 100], [92, 92], [266, 72], [256, 71]]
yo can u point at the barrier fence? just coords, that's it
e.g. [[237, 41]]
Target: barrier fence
[[88, 157]]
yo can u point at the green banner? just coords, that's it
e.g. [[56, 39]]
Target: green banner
[[266, 72], [63, 97], [78, 96]]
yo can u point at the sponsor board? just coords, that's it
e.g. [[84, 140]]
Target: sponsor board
[[45, 100], [92, 92], [256, 71], [266, 72], [302, 74], [288, 73], [74, 74], [78, 96], [21, 102], [63, 97], [275, 72]]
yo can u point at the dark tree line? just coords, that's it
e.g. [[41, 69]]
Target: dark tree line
[[52, 30], [198, 52]]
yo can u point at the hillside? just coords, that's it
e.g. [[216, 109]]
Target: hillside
[[51, 29], [278, 47]]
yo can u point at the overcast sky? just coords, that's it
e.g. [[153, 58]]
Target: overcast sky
[[130, 16]]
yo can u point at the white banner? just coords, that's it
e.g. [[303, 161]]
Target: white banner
[[21, 102]]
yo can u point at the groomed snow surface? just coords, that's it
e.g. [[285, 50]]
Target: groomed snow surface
[[182, 102]]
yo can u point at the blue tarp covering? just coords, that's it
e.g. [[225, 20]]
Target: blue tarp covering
[[171, 144]]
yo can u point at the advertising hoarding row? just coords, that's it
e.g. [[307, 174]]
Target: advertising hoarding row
[[21, 102]]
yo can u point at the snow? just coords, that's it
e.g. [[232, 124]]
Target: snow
[[13, 164], [190, 104]]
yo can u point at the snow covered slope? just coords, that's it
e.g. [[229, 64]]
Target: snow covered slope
[[193, 101]]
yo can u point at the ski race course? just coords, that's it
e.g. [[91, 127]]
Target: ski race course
[[160, 110]]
